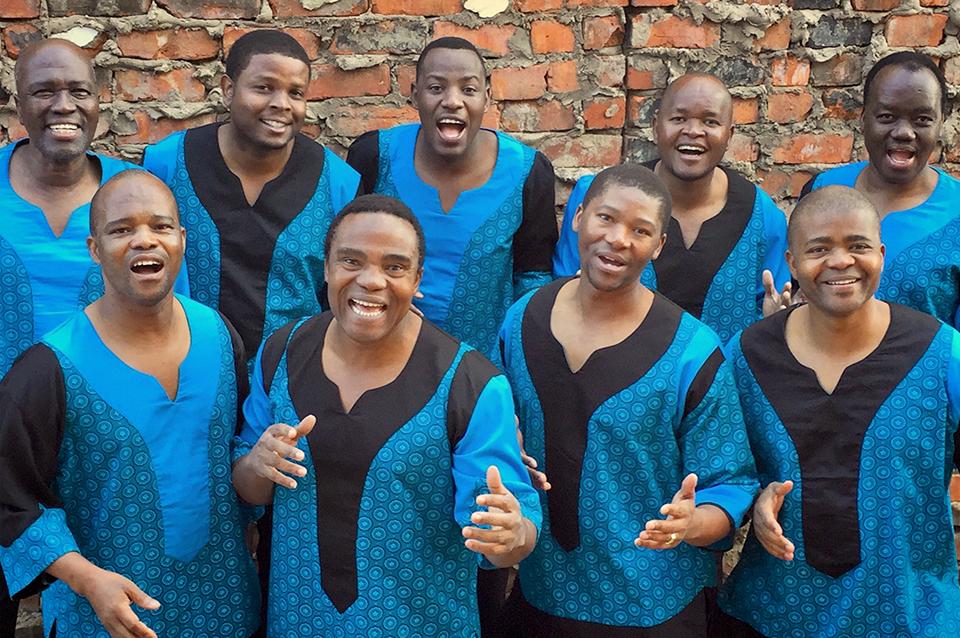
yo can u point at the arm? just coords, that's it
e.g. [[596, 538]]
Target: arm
[[535, 240], [566, 257]]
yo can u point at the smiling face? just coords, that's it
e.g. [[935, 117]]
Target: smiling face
[[372, 273], [57, 100], [693, 126], [137, 239], [619, 232], [451, 95], [267, 101], [902, 122], [836, 256]]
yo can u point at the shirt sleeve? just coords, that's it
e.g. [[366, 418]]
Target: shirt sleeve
[[775, 240], [364, 157], [33, 524], [161, 158], [536, 239], [566, 257]]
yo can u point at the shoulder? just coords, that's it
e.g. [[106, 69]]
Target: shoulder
[[845, 175], [112, 165]]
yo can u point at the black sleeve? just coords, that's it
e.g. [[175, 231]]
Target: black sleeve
[[537, 236], [808, 187], [240, 367], [273, 351], [32, 414], [364, 156]]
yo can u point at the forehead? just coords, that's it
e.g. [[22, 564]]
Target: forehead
[[276, 64], [839, 220], [442, 61], [696, 91], [54, 62], [376, 232], [898, 83], [627, 199], [133, 196]]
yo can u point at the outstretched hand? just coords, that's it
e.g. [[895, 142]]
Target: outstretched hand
[[111, 596], [268, 458], [505, 528], [774, 301], [765, 526], [668, 533]]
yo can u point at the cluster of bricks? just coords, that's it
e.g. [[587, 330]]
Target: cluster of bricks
[[579, 79]]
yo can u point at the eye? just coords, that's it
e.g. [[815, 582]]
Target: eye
[[80, 94], [923, 120], [435, 88], [604, 217], [884, 117], [712, 122], [470, 90], [118, 230], [395, 269], [677, 119], [350, 262], [297, 94], [42, 94], [643, 232]]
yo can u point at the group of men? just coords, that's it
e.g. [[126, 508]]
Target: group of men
[[401, 379]]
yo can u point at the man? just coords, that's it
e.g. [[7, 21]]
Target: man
[[851, 406], [905, 103], [115, 441], [486, 201], [402, 435], [629, 404], [725, 232], [256, 196]]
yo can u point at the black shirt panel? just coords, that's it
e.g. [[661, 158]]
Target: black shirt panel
[[472, 375], [703, 381], [536, 239], [239, 367], [569, 399], [272, 353], [827, 430], [684, 274], [248, 234], [364, 157], [344, 444], [808, 187]]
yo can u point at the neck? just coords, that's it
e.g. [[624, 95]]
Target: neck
[[922, 184], [847, 333], [689, 194], [250, 159], [459, 165], [54, 174], [604, 305], [133, 321], [391, 349]]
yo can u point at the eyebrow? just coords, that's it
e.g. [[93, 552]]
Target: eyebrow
[[437, 76], [847, 238]]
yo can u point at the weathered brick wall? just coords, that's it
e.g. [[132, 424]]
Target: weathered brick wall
[[577, 78]]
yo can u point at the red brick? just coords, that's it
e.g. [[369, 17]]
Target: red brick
[[606, 70], [816, 148], [798, 179], [170, 44], [746, 110], [597, 3], [875, 5], [531, 6], [138, 86], [213, 9], [294, 8], [789, 71], [490, 38], [845, 69], [406, 74], [743, 148], [777, 36], [491, 119], [586, 150], [934, 3], [548, 36], [637, 110], [562, 77], [784, 108], [653, 3], [916, 30], [18, 35], [532, 116], [673, 32], [644, 74], [150, 130], [773, 182], [19, 9], [329, 80], [605, 113], [307, 39], [353, 120], [527, 83], [602, 32], [417, 7], [11, 123]]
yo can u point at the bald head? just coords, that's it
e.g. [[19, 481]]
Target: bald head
[[828, 201], [133, 184], [41, 53], [705, 84]]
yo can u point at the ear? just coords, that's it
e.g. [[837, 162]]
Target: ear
[[226, 90], [653, 127], [791, 265], [419, 279], [577, 219], [488, 96], [663, 240], [93, 250]]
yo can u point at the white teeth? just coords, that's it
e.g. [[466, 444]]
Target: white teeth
[[447, 120], [358, 306], [148, 262], [841, 282], [694, 149], [64, 127]]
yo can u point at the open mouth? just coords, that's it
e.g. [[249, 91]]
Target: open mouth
[[451, 129], [146, 266], [691, 150], [275, 125], [64, 130], [610, 262], [901, 157], [366, 309]]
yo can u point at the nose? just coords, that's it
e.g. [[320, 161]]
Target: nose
[[371, 278], [693, 127], [63, 102], [280, 100], [143, 238], [616, 236], [452, 99], [903, 130], [840, 259]]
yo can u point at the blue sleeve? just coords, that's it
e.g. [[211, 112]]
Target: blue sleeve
[[491, 439], [953, 394], [161, 158], [257, 411], [344, 181], [956, 318], [524, 282], [43, 542], [775, 242], [566, 256]]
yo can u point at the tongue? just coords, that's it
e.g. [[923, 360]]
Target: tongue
[[901, 156], [146, 269], [450, 131]]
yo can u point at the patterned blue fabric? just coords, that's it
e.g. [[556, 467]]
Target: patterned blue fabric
[[922, 265], [734, 299], [639, 448], [906, 582], [146, 488], [468, 281], [43, 278]]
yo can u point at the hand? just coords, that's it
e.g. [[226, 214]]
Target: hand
[[774, 301], [538, 478], [111, 595], [268, 458], [765, 525], [507, 527], [680, 512]]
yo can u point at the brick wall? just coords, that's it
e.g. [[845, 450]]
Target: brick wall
[[577, 78]]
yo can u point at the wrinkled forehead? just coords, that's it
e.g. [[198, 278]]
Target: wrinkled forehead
[[56, 61]]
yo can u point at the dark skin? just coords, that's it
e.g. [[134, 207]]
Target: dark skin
[[56, 84]]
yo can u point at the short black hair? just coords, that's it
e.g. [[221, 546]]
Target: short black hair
[[262, 41], [378, 204], [828, 198], [633, 176], [912, 61], [450, 42], [97, 204]]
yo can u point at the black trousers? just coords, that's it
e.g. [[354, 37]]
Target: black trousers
[[8, 611], [491, 599]]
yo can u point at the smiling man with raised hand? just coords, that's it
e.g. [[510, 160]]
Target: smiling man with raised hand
[[399, 471], [486, 201], [905, 104], [255, 195], [726, 239], [115, 446], [852, 406]]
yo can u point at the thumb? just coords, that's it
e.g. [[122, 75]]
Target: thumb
[[494, 483], [784, 488], [306, 424], [139, 598], [689, 486]]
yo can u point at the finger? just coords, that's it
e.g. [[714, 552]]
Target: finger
[[777, 546], [671, 526], [283, 450], [498, 519], [291, 468], [494, 482], [539, 480], [679, 510], [784, 488], [139, 597], [132, 623], [279, 478], [688, 488], [282, 431], [503, 502], [306, 424], [528, 460], [768, 285], [418, 295], [659, 537], [492, 536], [488, 549]]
